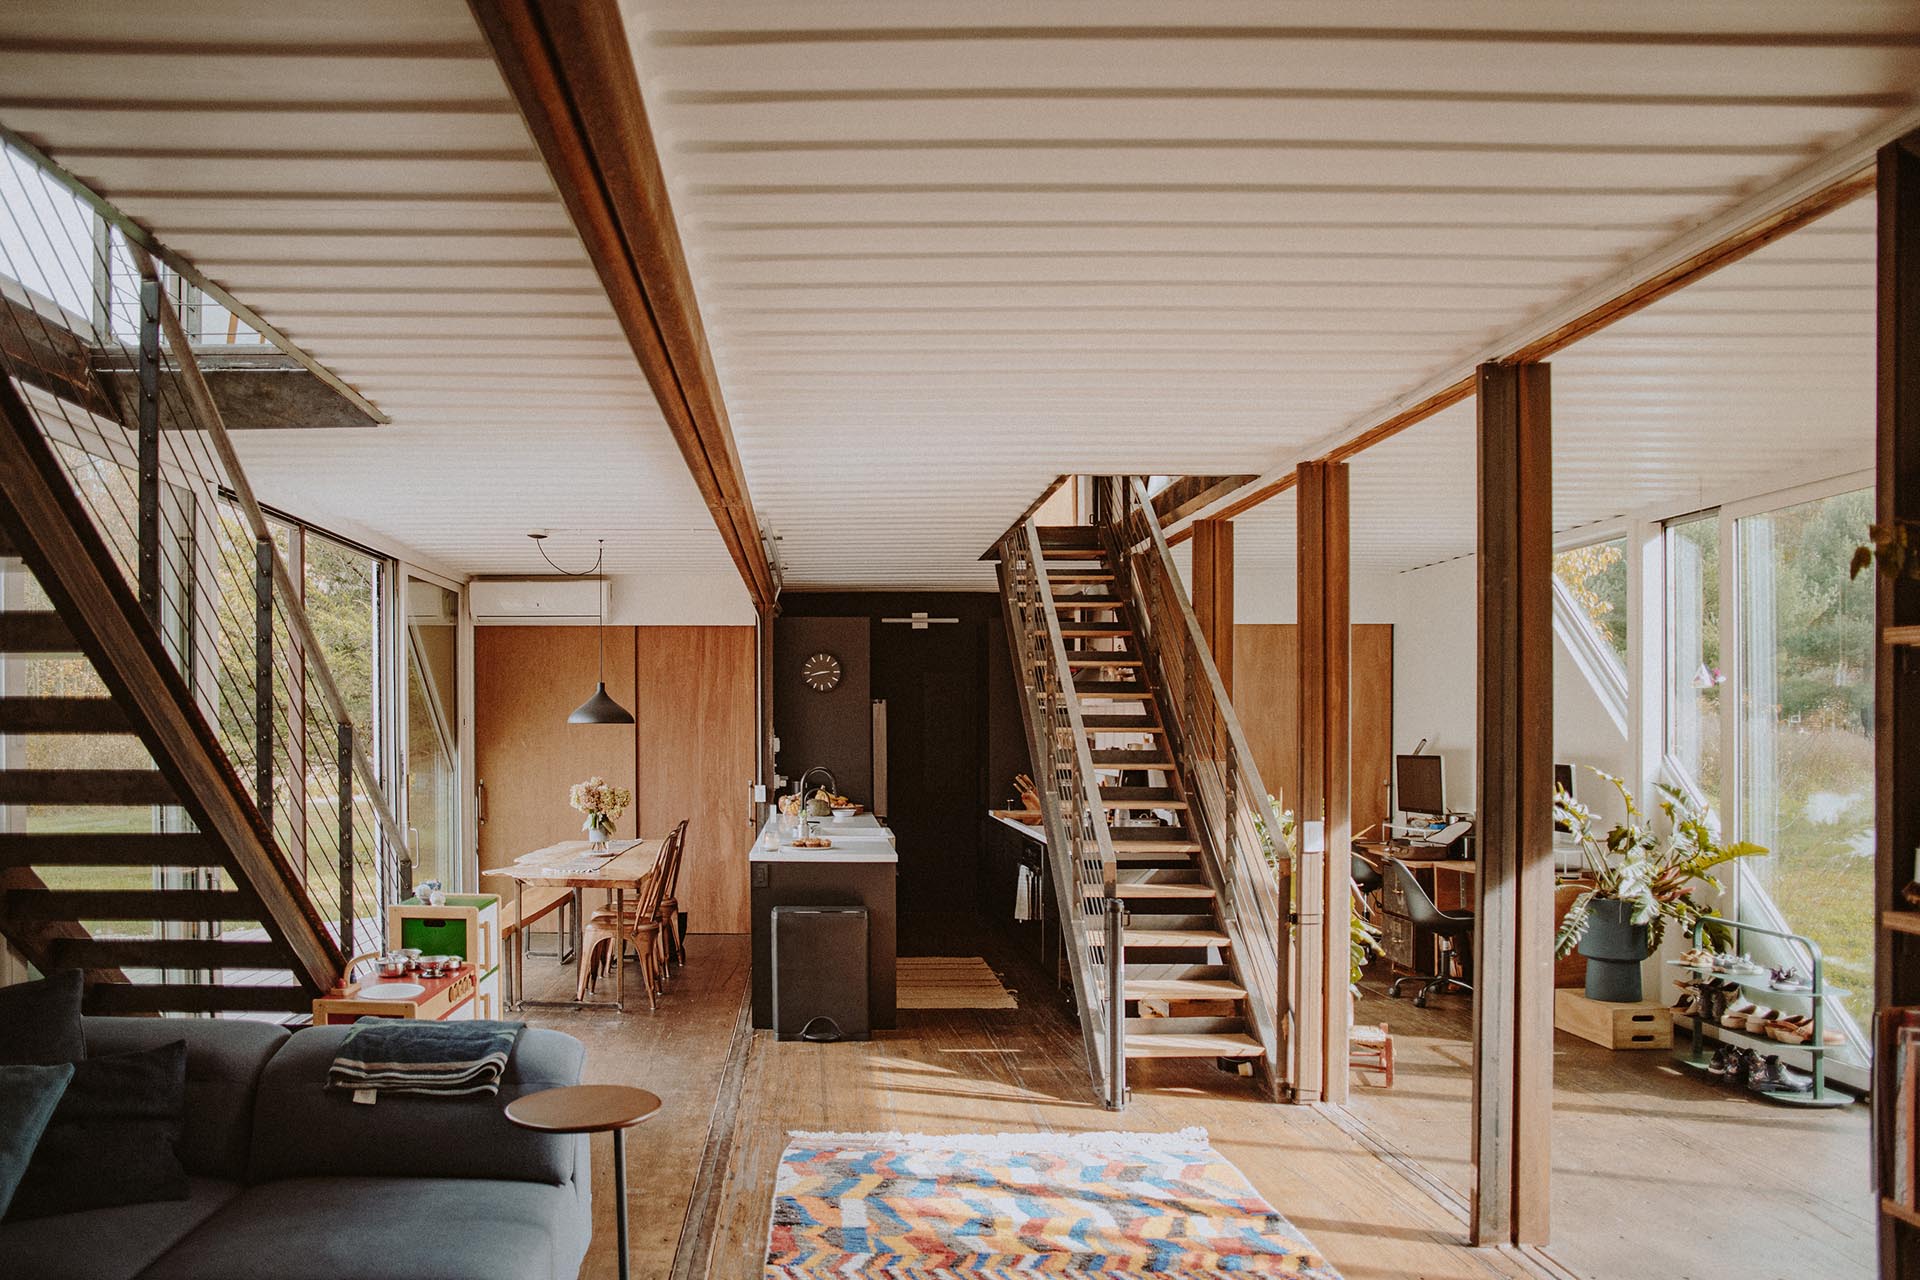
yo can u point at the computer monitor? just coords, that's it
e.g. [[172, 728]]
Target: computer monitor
[[1420, 784], [1563, 781]]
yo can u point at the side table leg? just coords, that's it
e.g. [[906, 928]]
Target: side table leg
[[620, 1184]]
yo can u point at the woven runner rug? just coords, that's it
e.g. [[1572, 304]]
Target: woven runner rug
[[949, 982], [1015, 1205]]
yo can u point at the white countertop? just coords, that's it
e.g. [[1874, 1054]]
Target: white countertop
[[857, 839], [1031, 830]]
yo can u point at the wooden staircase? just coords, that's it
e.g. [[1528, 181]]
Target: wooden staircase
[[203, 915], [1183, 996]]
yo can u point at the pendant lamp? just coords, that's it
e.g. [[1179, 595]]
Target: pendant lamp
[[600, 708]]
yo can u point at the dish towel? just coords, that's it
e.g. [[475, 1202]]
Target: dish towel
[[439, 1059], [1026, 905]]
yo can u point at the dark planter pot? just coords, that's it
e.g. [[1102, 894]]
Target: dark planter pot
[[1614, 947]]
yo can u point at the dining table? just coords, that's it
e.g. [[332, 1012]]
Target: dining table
[[619, 866]]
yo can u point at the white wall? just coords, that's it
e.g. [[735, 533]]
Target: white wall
[[1269, 594], [716, 599], [1434, 687]]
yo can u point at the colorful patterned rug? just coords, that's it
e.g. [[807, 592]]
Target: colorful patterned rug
[[951, 1207]]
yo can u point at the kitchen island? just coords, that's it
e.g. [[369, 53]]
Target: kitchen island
[[860, 870]]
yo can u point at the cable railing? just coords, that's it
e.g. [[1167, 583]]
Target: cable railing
[[92, 333], [1080, 853], [1231, 812]]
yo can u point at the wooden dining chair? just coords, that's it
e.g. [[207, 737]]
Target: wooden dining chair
[[672, 948], [637, 922]]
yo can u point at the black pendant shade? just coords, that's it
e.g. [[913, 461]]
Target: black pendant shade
[[600, 709]]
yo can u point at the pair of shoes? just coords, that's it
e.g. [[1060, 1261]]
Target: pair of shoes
[[1698, 958], [1788, 978], [1727, 1061], [1744, 1015], [1770, 1075], [1798, 1029]]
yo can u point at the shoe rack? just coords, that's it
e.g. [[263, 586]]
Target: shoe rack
[[1760, 989]]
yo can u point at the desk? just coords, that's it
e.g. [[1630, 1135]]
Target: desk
[[1448, 881], [576, 865]]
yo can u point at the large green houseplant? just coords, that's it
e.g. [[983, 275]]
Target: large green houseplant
[[1645, 874]]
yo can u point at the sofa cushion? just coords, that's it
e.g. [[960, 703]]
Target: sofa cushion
[[40, 1021], [225, 1057], [107, 1244], [28, 1096], [113, 1136], [388, 1229], [304, 1130]]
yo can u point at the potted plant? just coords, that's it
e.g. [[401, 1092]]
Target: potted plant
[[1643, 878], [603, 803]]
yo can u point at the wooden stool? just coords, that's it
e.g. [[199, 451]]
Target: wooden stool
[[591, 1108], [1371, 1049]]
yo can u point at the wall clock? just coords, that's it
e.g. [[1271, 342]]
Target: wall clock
[[821, 672]]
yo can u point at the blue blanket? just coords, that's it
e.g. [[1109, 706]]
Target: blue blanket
[[443, 1059]]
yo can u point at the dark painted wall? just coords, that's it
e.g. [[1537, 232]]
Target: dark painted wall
[[955, 739], [834, 729]]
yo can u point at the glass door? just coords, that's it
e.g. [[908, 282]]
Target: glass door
[[432, 747]]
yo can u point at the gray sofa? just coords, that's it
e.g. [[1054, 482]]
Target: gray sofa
[[292, 1182]]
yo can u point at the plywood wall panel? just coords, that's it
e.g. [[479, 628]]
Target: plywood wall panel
[[1266, 697], [526, 681], [695, 705]]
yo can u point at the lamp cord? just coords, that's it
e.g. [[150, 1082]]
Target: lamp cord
[[599, 599]]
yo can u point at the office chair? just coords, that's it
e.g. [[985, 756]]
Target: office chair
[[1366, 878], [1454, 929]]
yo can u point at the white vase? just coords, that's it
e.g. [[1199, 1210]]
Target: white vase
[[596, 835]]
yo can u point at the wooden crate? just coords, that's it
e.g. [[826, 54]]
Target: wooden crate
[[1645, 1024]]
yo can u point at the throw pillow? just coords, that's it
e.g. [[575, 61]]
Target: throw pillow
[[112, 1139], [28, 1096], [40, 1021]]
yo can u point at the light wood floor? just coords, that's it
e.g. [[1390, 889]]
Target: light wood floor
[[1656, 1172], [949, 1071]]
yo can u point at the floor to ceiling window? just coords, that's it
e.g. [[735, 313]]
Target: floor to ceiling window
[[1693, 666], [1805, 722], [432, 740]]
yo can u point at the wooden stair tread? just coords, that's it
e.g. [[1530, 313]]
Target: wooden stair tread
[[130, 904], [1183, 989], [1122, 758], [1097, 630], [1194, 1045], [1077, 573], [1149, 937], [90, 849], [84, 787], [1104, 660], [1074, 550], [62, 715], [156, 997], [1123, 847], [166, 953], [1156, 889], [1081, 603], [35, 631]]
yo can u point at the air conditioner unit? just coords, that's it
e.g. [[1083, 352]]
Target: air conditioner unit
[[498, 602]]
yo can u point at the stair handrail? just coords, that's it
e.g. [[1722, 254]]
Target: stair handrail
[[1071, 809], [208, 411], [1232, 811]]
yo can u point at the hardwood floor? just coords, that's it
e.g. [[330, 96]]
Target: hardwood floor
[[950, 1071], [1656, 1172]]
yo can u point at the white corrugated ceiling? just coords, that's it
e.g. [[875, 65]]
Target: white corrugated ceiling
[[357, 171], [945, 251], [1758, 377]]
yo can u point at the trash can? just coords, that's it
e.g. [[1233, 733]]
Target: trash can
[[820, 973]]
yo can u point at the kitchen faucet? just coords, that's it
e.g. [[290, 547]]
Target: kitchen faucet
[[800, 788]]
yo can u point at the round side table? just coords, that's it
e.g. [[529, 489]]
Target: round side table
[[591, 1108]]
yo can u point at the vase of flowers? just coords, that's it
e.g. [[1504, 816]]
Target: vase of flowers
[[1643, 878], [603, 803]]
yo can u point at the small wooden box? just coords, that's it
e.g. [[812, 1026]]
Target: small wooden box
[[1645, 1024]]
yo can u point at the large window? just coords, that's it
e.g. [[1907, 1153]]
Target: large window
[[1596, 577], [1694, 675], [1805, 722]]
